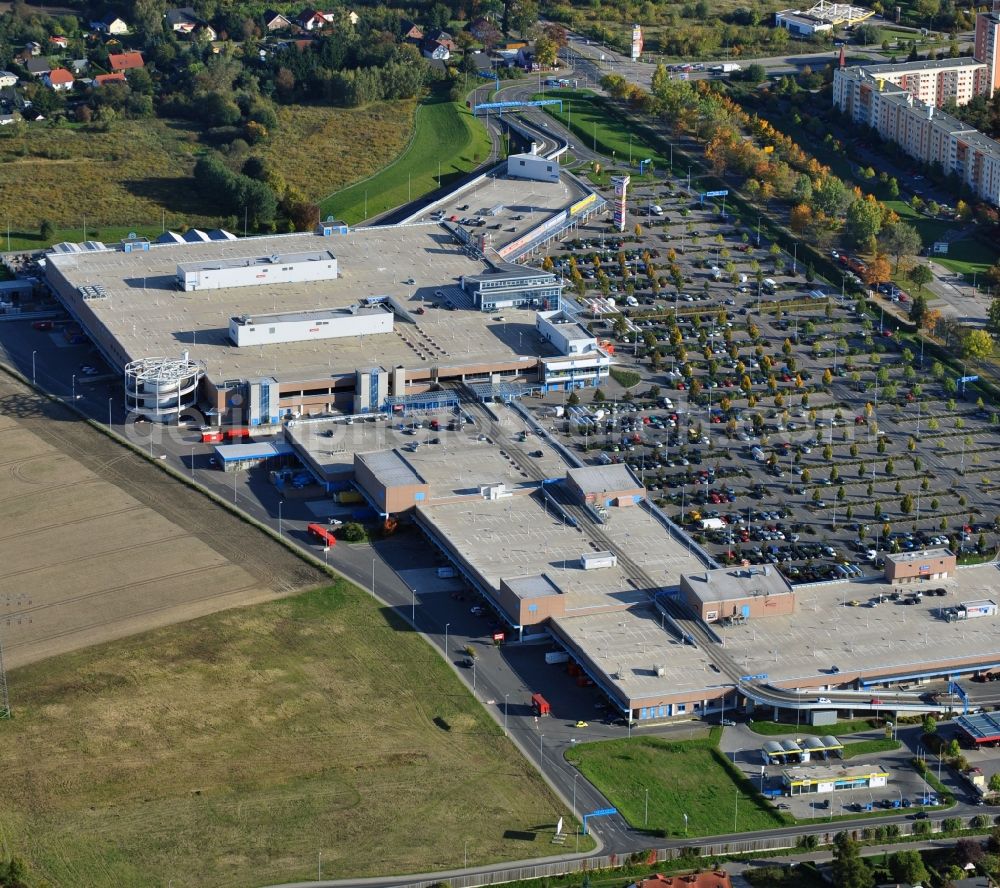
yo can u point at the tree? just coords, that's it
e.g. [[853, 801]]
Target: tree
[[977, 344], [920, 275], [993, 316], [599, 397], [968, 851], [573, 400], [46, 230], [877, 271], [546, 51], [994, 783], [864, 221], [908, 867], [901, 241], [849, 870], [918, 309], [929, 724]]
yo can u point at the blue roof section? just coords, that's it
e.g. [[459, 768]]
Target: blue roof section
[[258, 450], [981, 728]]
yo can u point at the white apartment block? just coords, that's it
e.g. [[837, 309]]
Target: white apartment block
[[929, 135], [935, 82]]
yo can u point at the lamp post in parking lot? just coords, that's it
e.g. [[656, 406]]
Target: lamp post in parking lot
[[33, 353]]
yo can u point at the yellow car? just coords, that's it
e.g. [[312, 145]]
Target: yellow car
[[582, 724]]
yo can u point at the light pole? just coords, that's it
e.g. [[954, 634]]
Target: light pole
[[280, 504], [577, 774], [109, 414], [736, 808], [74, 395], [505, 696], [373, 576], [446, 625], [473, 677], [645, 809], [541, 751], [33, 353], [191, 465], [319, 866]]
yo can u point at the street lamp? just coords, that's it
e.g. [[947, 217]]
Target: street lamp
[[109, 414], [33, 353], [577, 774], [74, 388], [280, 504], [413, 605], [446, 625], [505, 696], [541, 751]]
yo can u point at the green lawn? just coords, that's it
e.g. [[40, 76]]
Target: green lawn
[[869, 747], [683, 777], [447, 140], [838, 729], [600, 128], [968, 256], [232, 749]]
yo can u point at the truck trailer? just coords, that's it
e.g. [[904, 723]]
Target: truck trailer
[[540, 705]]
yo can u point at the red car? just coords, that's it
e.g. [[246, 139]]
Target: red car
[[42, 325]]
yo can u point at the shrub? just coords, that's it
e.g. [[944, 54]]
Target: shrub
[[353, 532]]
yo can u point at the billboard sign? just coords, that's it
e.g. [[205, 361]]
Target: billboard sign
[[636, 42], [620, 184]]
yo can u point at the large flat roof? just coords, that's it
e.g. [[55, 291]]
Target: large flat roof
[[459, 464], [148, 315], [597, 479], [922, 555], [827, 631], [728, 583], [521, 536], [630, 646]]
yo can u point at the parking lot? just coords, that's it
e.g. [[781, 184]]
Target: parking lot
[[778, 418]]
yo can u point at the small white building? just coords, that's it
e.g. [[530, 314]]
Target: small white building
[[800, 23], [7, 79], [318, 265], [581, 360], [534, 167], [303, 326]]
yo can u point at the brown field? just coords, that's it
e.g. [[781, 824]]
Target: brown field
[[96, 544]]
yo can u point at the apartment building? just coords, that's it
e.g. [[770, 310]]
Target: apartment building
[[924, 132], [987, 45], [935, 82]]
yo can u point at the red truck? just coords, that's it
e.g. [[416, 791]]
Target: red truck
[[322, 534], [540, 705], [211, 437]]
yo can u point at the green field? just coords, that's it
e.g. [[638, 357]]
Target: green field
[[683, 777], [869, 747], [599, 128], [233, 749], [838, 729], [447, 141], [968, 256]]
